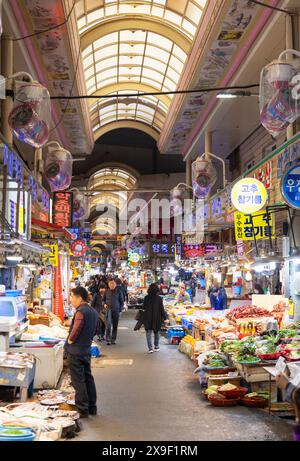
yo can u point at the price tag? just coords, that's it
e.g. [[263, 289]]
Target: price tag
[[21, 376], [296, 380], [280, 366]]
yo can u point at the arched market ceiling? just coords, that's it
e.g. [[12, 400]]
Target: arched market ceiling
[[115, 182], [133, 47]]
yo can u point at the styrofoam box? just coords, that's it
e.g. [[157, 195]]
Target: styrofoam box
[[49, 365]]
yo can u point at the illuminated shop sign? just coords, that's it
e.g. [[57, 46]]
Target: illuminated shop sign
[[249, 195], [63, 209], [162, 249], [290, 187], [196, 251], [15, 169]]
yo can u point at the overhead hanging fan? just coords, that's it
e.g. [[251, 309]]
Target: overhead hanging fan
[[204, 177], [279, 97], [30, 117], [81, 206], [58, 166]]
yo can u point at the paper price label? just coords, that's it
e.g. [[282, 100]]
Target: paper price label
[[21, 376], [296, 380], [280, 366]]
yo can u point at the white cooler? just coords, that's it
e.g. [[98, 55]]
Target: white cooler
[[49, 364]]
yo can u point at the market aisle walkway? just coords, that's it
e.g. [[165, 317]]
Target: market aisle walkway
[[157, 398]]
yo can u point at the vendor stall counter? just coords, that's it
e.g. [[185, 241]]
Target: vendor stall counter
[[49, 363]]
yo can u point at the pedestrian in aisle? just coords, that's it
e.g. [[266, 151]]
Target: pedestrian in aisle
[[154, 316], [182, 295], [98, 305], [113, 302], [125, 288], [84, 327]]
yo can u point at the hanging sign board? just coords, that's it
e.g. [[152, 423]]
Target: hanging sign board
[[263, 226], [63, 208], [290, 187], [53, 254], [58, 303], [249, 195], [78, 248]]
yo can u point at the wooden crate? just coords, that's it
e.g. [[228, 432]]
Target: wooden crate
[[253, 373], [39, 322], [264, 386]]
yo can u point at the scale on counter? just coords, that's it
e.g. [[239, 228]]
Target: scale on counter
[[13, 317]]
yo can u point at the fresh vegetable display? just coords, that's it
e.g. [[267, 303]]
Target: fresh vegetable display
[[215, 360], [287, 333]]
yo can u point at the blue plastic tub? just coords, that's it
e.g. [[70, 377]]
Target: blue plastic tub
[[13, 293]]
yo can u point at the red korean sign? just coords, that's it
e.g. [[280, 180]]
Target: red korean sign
[[78, 248], [63, 209], [58, 303], [197, 251]]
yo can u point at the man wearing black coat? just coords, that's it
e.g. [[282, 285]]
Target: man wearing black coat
[[114, 301]]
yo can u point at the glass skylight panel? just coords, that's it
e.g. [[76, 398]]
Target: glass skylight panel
[[172, 12], [189, 26], [137, 57]]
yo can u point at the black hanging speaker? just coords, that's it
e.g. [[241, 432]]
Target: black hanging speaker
[[285, 228]]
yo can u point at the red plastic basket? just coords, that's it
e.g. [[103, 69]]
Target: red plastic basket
[[235, 393], [274, 356]]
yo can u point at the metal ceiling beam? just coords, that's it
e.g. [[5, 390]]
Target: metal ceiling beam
[[126, 124], [135, 23]]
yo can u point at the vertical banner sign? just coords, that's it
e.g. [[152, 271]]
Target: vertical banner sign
[[63, 208], [58, 304]]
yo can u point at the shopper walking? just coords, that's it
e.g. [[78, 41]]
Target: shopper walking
[[98, 304], [154, 316], [84, 327], [113, 302], [182, 295]]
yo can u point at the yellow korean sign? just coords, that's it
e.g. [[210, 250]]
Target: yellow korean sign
[[53, 255], [249, 195], [260, 224]]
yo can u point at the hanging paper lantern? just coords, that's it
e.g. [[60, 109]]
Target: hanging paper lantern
[[31, 115], [58, 167], [204, 177]]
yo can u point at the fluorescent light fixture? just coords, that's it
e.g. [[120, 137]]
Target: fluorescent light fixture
[[16, 259], [227, 96], [235, 94]]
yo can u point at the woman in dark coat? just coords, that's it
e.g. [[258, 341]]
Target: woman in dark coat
[[153, 317]]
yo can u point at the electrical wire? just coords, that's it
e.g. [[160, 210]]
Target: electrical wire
[[50, 28], [275, 8], [159, 93], [71, 91]]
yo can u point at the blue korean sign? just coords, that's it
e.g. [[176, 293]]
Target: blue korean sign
[[290, 187]]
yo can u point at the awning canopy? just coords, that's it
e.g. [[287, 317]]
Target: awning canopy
[[53, 229]]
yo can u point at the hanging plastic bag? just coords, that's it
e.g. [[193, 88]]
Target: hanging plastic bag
[[31, 115], [58, 167], [278, 105]]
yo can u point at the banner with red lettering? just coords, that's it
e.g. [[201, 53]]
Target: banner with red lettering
[[58, 303]]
